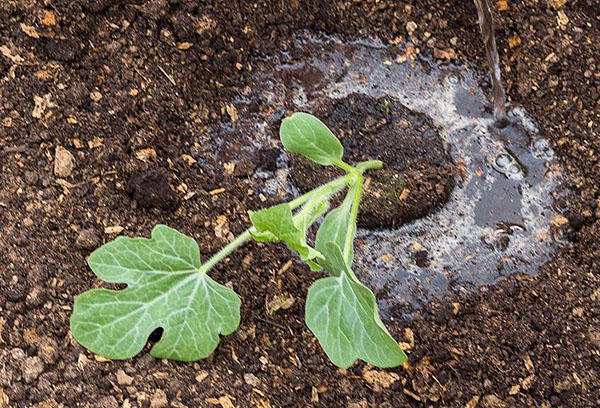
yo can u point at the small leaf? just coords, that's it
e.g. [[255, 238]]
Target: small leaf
[[306, 135], [334, 228], [165, 288], [343, 315], [276, 224]]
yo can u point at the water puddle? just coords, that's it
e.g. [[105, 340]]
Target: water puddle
[[499, 218]]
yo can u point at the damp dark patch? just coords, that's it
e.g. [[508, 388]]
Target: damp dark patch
[[151, 189]]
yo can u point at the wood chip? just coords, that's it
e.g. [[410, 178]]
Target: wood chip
[[229, 168], [379, 380], [48, 18], [145, 155], [411, 394], [188, 159], [283, 301], [556, 4], [410, 336], [30, 31], [528, 363], [184, 46], [562, 18], [95, 142], [222, 228], [528, 382], [514, 41], [4, 400], [201, 376], [502, 5], [225, 402], [285, 267], [559, 221], [41, 103], [514, 390], [217, 191], [232, 112], [82, 361], [472, 402], [314, 395], [261, 403], [16, 59], [404, 194], [114, 229], [43, 75], [447, 54], [387, 257]]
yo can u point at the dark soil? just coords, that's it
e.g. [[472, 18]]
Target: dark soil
[[109, 80], [418, 175]]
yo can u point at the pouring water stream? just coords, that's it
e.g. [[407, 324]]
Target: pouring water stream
[[486, 24]]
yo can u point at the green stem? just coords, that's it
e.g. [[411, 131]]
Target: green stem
[[225, 251], [354, 176], [336, 184], [358, 186], [369, 165]]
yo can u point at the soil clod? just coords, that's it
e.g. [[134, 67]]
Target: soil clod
[[151, 189], [418, 174]]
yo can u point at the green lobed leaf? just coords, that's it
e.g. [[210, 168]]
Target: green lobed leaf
[[304, 134], [165, 288], [343, 315], [334, 228], [277, 224]]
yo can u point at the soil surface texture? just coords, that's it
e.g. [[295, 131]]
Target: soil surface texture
[[106, 112]]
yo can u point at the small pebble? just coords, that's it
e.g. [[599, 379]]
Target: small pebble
[[95, 96], [32, 368], [123, 378], [87, 239], [251, 379], [64, 162], [159, 400]]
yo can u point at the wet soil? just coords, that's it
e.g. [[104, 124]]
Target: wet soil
[[130, 87], [418, 173]]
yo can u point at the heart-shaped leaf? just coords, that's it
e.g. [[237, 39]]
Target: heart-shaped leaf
[[343, 314], [304, 134]]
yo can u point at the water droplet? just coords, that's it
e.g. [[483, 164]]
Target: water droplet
[[503, 160]]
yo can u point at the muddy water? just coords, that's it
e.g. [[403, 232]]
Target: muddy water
[[499, 217]]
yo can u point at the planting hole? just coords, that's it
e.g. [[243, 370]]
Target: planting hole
[[496, 220]]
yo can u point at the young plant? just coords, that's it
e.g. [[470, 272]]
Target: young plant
[[169, 287]]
